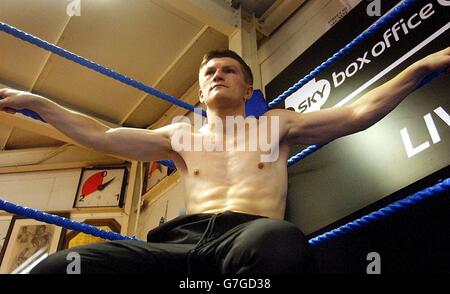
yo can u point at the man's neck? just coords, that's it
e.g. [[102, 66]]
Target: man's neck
[[218, 117]]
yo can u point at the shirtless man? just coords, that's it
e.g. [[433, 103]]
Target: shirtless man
[[235, 202]]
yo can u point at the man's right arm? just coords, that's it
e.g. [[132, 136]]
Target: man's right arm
[[130, 143]]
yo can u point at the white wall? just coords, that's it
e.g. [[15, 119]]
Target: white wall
[[45, 190]]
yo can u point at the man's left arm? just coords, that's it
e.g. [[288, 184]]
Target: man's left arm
[[324, 126]]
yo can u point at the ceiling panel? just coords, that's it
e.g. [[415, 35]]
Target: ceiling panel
[[86, 91], [20, 62], [136, 38], [179, 79]]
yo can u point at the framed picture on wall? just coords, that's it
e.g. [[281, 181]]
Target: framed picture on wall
[[74, 239], [4, 226], [28, 241], [101, 187], [154, 172]]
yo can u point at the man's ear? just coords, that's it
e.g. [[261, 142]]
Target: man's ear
[[200, 96], [248, 93]]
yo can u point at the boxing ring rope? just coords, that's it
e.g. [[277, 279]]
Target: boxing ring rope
[[91, 65], [355, 225], [60, 221], [92, 230], [383, 213]]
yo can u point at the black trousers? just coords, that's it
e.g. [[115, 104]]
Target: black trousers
[[224, 243]]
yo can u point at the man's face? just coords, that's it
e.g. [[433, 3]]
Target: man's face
[[222, 83]]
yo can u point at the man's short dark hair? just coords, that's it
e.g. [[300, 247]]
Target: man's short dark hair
[[231, 54]]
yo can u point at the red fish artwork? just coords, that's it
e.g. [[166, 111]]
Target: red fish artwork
[[92, 184]]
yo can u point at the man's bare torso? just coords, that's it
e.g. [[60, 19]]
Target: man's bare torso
[[216, 181]]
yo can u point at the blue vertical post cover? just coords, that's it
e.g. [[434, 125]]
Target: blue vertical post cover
[[256, 105]]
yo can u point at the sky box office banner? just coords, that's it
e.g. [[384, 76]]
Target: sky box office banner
[[411, 143]]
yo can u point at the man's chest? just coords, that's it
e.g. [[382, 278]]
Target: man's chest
[[234, 164]]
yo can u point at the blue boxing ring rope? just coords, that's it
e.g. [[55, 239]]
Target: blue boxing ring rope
[[373, 217], [88, 229], [383, 213], [91, 65], [60, 221]]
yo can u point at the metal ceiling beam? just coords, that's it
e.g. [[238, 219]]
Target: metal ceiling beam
[[59, 165], [32, 125], [32, 156], [48, 158], [244, 42], [5, 134], [49, 155]]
